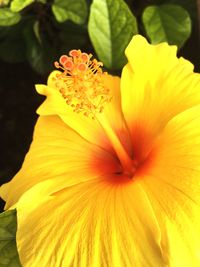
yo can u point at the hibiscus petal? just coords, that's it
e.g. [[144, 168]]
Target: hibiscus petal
[[60, 154], [89, 224], [178, 217], [173, 185], [155, 86]]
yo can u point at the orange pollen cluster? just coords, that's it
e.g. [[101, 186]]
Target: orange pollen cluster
[[81, 83]]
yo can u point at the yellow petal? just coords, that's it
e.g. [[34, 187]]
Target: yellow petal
[[155, 86], [178, 217], [89, 224], [176, 153], [173, 185], [88, 128], [60, 154]]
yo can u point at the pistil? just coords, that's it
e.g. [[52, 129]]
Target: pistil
[[81, 85], [128, 165]]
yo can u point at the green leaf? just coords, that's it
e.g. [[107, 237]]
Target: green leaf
[[39, 51], [170, 23], [75, 11], [8, 18], [189, 5], [8, 249], [12, 46], [111, 27], [18, 5]]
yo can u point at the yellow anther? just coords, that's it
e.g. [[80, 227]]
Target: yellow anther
[[81, 83]]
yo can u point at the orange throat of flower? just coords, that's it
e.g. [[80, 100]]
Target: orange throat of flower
[[81, 85]]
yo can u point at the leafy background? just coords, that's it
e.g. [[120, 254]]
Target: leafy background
[[35, 33]]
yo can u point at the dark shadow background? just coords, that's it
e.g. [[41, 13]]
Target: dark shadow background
[[19, 101]]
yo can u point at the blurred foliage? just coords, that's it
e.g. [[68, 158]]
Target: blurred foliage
[[8, 250], [169, 23], [39, 31], [75, 11]]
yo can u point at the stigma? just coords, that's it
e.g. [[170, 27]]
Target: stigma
[[81, 83]]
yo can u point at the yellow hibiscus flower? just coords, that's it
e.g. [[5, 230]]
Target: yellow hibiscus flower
[[112, 177]]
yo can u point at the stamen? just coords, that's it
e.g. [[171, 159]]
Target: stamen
[[82, 67], [81, 83], [74, 53], [68, 65], [85, 57], [63, 59]]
